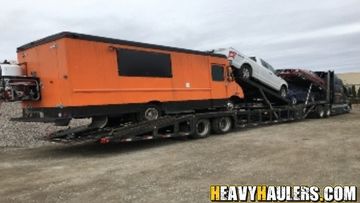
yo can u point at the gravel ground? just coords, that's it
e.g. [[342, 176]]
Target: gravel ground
[[20, 134], [17, 134]]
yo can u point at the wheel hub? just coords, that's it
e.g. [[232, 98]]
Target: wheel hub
[[225, 124], [283, 93], [151, 114], [200, 127], [246, 73], [230, 106]]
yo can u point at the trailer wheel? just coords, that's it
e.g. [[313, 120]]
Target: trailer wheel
[[202, 128], [151, 112], [221, 125], [348, 108], [99, 121], [320, 112]]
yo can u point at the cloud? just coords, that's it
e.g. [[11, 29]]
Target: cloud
[[295, 33]]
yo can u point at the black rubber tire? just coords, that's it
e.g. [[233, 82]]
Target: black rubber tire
[[348, 108], [148, 112], [99, 121], [221, 125], [202, 129], [245, 73], [283, 91]]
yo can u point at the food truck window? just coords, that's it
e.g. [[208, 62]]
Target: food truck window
[[143, 63]]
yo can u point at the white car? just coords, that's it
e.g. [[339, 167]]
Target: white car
[[254, 68]]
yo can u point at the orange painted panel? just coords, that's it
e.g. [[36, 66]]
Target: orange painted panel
[[77, 72]]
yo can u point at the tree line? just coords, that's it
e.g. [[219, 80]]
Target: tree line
[[353, 92]]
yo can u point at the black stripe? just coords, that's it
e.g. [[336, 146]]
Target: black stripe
[[51, 113], [111, 41]]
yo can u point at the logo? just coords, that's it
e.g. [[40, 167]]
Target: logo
[[264, 193]]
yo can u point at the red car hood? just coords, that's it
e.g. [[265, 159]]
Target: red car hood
[[295, 75]]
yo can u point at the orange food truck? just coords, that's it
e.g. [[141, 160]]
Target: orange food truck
[[81, 76]]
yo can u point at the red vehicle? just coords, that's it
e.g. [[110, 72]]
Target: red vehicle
[[301, 76]]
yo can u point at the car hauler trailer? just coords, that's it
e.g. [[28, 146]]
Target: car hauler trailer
[[176, 92], [266, 108]]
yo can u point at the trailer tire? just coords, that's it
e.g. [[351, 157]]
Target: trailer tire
[[320, 111], [149, 113], [221, 125], [99, 121], [348, 108], [202, 129]]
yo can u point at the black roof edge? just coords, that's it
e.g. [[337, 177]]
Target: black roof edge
[[94, 38]]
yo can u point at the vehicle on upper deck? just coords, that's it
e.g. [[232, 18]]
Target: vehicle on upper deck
[[304, 85], [254, 68]]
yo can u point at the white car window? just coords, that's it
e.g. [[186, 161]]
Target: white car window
[[263, 63], [268, 66], [271, 68]]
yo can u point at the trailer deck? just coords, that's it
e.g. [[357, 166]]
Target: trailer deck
[[175, 126], [272, 109]]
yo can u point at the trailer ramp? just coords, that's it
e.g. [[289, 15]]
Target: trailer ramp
[[255, 90], [161, 128]]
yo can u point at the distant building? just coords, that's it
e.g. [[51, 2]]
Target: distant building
[[350, 79]]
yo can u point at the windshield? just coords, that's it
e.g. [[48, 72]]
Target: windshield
[[252, 58]]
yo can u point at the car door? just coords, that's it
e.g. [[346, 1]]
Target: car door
[[276, 81], [257, 71]]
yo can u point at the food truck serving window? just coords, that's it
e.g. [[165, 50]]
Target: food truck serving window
[[143, 63]]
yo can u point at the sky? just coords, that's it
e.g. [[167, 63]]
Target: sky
[[316, 35]]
